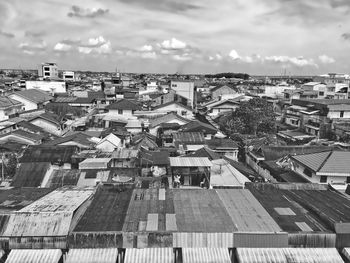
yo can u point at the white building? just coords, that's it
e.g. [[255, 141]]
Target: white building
[[68, 76], [185, 89], [32, 99], [51, 87], [48, 70]]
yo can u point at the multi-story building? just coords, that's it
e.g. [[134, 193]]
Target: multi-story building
[[48, 70], [185, 89], [68, 76]]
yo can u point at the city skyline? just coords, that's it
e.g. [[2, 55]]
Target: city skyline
[[257, 37]]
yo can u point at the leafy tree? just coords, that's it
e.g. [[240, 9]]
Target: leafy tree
[[252, 117]]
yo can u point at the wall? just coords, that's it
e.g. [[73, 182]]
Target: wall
[[126, 113], [48, 86], [184, 89], [336, 115], [261, 171], [28, 105], [47, 126]]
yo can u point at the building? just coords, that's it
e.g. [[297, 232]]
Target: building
[[51, 87], [175, 107], [32, 99], [185, 89], [48, 70], [217, 92], [330, 167], [8, 107], [123, 107], [68, 76]]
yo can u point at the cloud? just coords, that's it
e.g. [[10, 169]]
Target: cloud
[[31, 48], [234, 55], [62, 47], [95, 45], [346, 36], [184, 57], [34, 34], [173, 6], [172, 44], [326, 59], [77, 11], [6, 34], [146, 48], [295, 61], [150, 55]]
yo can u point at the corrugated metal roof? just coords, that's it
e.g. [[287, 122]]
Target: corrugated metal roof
[[246, 212], [224, 174], [66, 199], [314, 160], [196, 240], [38, 224], [205, 255], [122, 153], [34, 256], [190, 162], [149, 255], [337, 163], [96, 255], [286, 255], [346, 252]]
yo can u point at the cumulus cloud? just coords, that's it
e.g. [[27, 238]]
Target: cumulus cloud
[[95, 45], [6, 34], [34, 34], [146, 48], [326, 59], [234, 54], [150, 55], [31, 48], [172, 44], [183, 57], [77, 11], [62, 47]]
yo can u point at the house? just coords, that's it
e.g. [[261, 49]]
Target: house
[[175, 107], [109, 143], [169, 118], [170, 97], [154, 163], [77, 139], [123, 157], [197, 126], [32, 99], [332, 167], [204, 152], [185, 89], [217, 107], [50, 122], [186, 142], [51, 87], [218, 91], [224, 147], [144, 140], [123, 107], [8, 107], [22, 137]]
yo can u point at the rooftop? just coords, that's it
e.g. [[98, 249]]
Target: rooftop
[[34, 95], [123, 104]]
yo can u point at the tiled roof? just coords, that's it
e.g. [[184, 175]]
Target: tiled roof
[[221, 143], [27, 135], [49, 117], [198, 126], [6, 102], [34, 95], [123, 105], [189, 137], [166, 118], [314, 160], [204, 152], [337, 162], [80, 138], [170, 103]]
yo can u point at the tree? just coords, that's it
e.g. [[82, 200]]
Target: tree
[[252, 117]]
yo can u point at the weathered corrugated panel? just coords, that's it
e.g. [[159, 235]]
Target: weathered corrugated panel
[[96, 255], [342, 228], [343, 240], [258, 239], [161, 194], [38, 224], [170, 222], [205, 255], [38, 242], [312, 239], [160, 240], [286, 255], [66, 199], [246, 211], [95, 240], [152, 222], [190, 162], [224, 240], [346, 252], [34, 256], [149, 255]]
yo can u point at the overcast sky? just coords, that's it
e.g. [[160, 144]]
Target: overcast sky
[[186, 36]]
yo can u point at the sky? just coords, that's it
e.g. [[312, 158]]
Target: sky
[[298, 37]]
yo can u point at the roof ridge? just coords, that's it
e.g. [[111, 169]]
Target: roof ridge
[[325, 160]]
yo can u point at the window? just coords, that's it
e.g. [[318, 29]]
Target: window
[[46, 68], [323, 179], [321, 93], [47, 74], [348, 180], [174, 85], [308, 172], [342, 114], [120, 111]]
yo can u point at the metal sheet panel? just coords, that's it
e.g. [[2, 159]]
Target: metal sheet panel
[[152, 222], [190, 162], [262, 240], [34, 256], [286, 255], [205, 255], [96, 255], [149, 255], [195, 240], [346, 252], [170, 222]]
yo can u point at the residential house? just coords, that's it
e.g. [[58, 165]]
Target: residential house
[[176, 107], [170, 97], [109, 143], [214, 108], [50, 122], [78, 139], [186, 142], [332, 167], [154, 163], [144, 140], [123, 107], [124, 157], [32, 99], [170, 118], [22, 137], [9, 107], [224, 147], [197, 126], [218, 91]]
